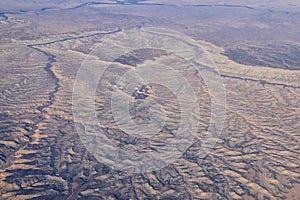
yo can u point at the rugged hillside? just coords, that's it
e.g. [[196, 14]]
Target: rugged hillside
[[43, 46]]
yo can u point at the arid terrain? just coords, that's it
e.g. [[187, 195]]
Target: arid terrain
[[255, 46]]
